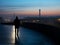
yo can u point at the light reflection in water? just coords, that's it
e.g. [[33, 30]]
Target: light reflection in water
[[13, 34]]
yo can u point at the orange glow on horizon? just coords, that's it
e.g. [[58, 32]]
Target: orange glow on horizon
[[34, 12], [51, 12], [27, 12]]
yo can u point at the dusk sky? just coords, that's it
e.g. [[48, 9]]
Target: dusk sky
[[30, 7]]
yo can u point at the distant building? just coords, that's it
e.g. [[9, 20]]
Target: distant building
[[39, 12]]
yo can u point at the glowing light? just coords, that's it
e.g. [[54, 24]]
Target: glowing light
[[34, 21], [59, 19], [13, 34]]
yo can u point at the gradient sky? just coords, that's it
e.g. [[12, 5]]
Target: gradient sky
[[29, 6]]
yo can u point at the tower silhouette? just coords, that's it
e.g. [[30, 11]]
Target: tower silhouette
[[39, 12]]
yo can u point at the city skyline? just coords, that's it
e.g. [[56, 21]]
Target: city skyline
[[30, 7]]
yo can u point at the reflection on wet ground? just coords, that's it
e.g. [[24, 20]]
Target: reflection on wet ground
[[7, 35], [26, 37], [30, 37]]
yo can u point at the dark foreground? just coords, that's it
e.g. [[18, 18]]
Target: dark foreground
[[26, 36], [51, 32], [31, 34]]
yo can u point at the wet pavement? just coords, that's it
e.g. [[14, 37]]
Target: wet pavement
[[26, 37]]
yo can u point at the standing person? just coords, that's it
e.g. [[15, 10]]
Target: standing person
[[17, 24]]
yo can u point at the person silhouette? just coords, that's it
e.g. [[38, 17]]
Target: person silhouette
[[17, 24]]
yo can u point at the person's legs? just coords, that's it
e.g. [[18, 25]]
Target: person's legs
[[17, 33]]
